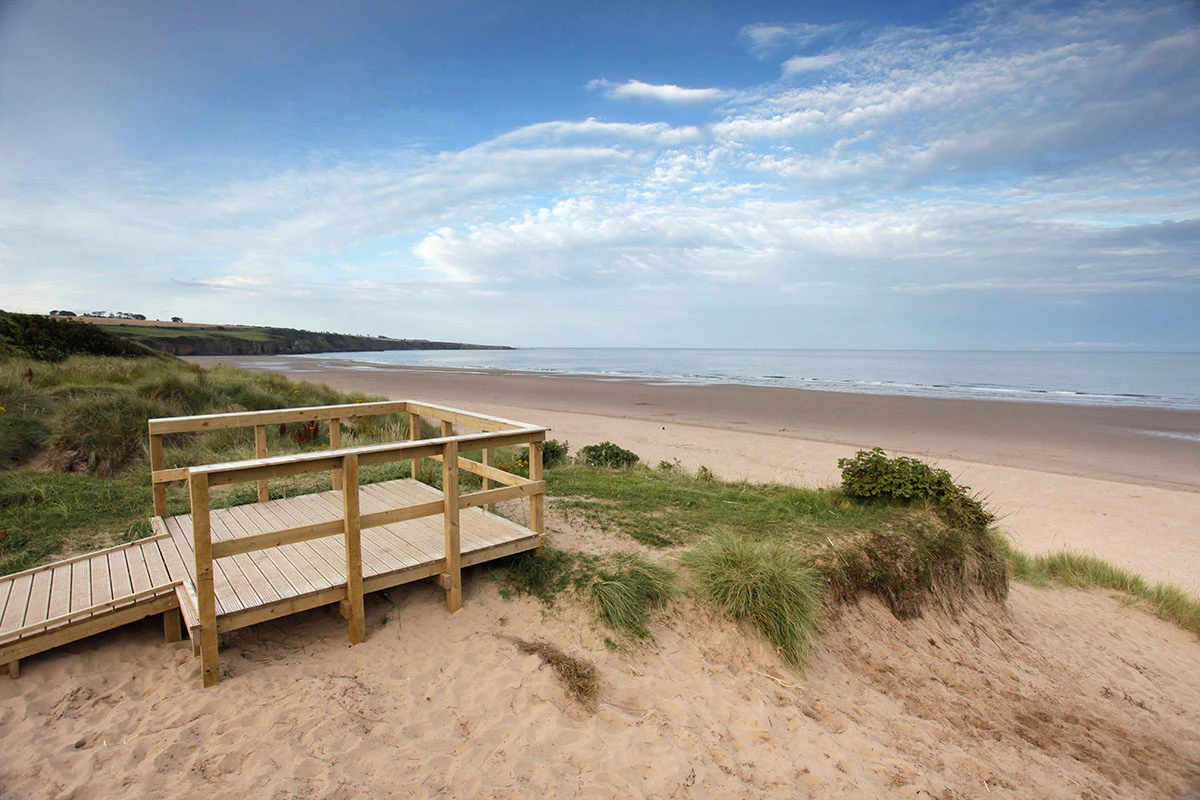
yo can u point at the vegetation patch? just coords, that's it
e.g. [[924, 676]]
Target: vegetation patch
[[765, 583], [622, 588], [607, 454], [1082, 571], [871, 474], [579, 678], [54, 339]]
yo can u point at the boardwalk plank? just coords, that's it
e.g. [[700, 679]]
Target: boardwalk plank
[[81, 585], [139, 573], [291, 559], [60, 591], [18, 601], [39, 599], [118, 574], [100, 581]]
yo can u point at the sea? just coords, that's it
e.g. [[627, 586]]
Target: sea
[[1103, 378]]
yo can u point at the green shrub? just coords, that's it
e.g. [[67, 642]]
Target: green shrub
[[607, 454], [871, 474], [765, 583], [554, 453]]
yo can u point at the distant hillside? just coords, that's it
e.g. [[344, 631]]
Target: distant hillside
[[53, 339], [192, 339]]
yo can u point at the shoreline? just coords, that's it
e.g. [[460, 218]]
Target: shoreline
[[1060, 477], [1129, 444]]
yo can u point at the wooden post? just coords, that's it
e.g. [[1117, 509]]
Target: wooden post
[[537, 502], [156, 463], [206, 599], [447, 428], [172, 626], [450, 512], [335, 441], [260, 451], [489, 460], [354, 578], [14, 669], [414, 433]]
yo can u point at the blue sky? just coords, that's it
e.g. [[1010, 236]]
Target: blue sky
[[860, 174]]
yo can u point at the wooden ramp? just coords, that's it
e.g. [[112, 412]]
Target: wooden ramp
[[274, 582], [69, 600]]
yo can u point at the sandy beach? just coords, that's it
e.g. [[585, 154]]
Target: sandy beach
[[1120, 483], [1056, 694]]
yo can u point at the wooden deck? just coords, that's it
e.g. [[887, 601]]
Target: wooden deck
[[220, 569], [266, 584], [59, 603]]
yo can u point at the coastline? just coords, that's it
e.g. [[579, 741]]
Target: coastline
[[1131, 444], [1060, 477]]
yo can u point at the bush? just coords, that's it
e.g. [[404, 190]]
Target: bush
[[872, 474], [554, 453], [607, 454], [766, 584]]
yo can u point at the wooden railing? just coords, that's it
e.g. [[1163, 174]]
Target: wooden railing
[[344, 464]]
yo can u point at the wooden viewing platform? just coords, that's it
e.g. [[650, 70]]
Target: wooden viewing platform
[[226, 568]]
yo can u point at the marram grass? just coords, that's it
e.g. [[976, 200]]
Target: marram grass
[[766, 584], [1083, 571]]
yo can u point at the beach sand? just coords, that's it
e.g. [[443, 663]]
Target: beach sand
[[1058, 694], [1119, 483]]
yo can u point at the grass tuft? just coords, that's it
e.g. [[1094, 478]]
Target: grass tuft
[[626, 589], [580, 678], [766, 584], [1083, 571], [623, 588]]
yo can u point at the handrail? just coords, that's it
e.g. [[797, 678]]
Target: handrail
[[334, 414]]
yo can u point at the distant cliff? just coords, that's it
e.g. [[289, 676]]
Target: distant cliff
[[221, 340]]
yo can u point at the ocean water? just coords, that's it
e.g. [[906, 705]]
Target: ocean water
[[1165, 380]]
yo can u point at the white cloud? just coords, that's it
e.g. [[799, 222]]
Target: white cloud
[[662, 93], [798, 65], [764, 38], [995, 155]]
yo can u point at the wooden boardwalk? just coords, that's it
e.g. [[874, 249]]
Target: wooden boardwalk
[[69, 600], [266, 584], [220, 569]]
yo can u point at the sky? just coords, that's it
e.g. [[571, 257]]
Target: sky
[[861, 174]]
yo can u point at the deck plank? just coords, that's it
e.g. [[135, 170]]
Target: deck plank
[[118, 574], [326, 555], [100, 580], [5, 592], [139, 573], [60, 591], [159, 574], [39, 598], [231, 582], [81, 585], [18, 601]]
